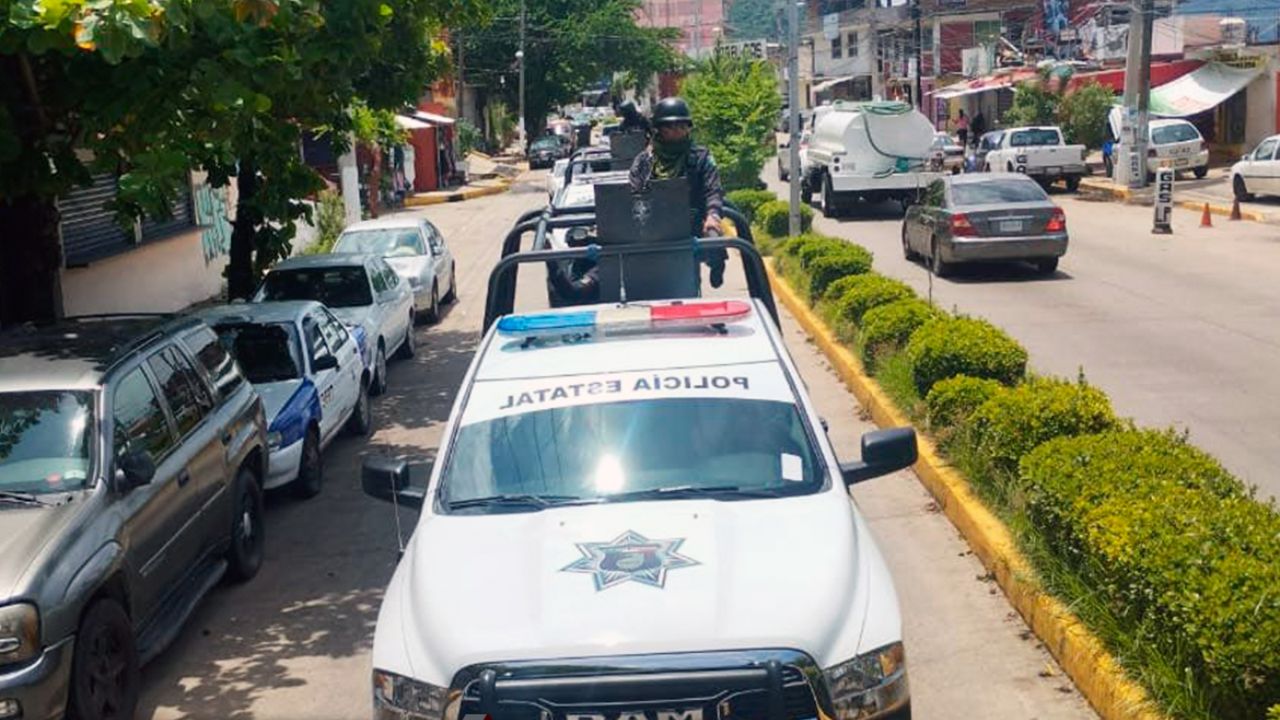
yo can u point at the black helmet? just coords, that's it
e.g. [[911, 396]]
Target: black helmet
[[628, 109], [671, 110]]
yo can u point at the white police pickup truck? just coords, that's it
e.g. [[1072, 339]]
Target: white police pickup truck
[[636, 514]]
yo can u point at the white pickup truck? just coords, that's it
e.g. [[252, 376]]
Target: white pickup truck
[[1041, 153]]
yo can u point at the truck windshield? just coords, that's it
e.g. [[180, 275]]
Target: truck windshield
[[1178, 132], [1026, 138], [45, 441], [635, 450]]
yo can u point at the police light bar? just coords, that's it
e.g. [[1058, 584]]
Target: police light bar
[[625, 317]]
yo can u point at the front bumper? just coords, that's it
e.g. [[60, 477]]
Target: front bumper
[[285, 463], [40, 686], [956, 250]]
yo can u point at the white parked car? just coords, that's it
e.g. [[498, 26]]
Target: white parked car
[[363, 291], [307, 366], [1169, 140], [1039, 152], [1258, 172], [416, 250], [665, 529]]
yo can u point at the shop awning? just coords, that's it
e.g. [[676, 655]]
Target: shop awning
[[830, 83], [408, 123], [1202, 89], [983, 84], [432, 118]]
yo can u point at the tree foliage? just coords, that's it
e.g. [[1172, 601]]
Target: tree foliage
[[1033, 104], [735, 103], [569, 45], [755, 19], [1083, 114]]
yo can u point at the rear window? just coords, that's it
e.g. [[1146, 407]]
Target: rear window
[[334, 286], [1025, 138], [1003, 190], [1180, 132]]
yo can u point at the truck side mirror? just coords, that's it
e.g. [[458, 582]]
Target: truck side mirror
[[883, 452], [387, 479], [134, 469]]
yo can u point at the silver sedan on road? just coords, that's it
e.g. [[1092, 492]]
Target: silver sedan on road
[[980, 218], [416, 250]]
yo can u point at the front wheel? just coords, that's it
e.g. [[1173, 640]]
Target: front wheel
[[806, 192], [1238, 188], [452, 296], [1073, 184], [409, 347], [379, 370], [310, 467], [361, 420], [433, 310], [244, 557], [829, 208], [105, 674], [1201, 172]]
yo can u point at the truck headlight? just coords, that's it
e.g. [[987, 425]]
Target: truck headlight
[[275, 439], [396, 697], [869, 685], [19, 633]]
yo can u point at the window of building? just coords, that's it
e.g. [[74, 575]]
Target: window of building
[[836, 50], [851, 41]]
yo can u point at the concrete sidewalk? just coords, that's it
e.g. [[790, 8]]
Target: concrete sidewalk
[[1193, 194], [474, 189]]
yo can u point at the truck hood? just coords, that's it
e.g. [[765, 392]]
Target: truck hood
[[634, 578], [24, 532]]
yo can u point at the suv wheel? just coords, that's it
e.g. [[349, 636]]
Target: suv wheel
[[310, 467], [361, 420], [244, 557], [104, 674]]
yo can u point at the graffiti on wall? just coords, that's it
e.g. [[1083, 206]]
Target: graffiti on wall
[[211, 215]]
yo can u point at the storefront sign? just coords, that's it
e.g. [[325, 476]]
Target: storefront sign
[[1164, 202]]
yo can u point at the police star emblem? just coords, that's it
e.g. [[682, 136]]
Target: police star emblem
[[641, 209], [630, 556]]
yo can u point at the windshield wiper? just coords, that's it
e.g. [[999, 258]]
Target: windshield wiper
[[23, 498], [538, 501], [694, 491]]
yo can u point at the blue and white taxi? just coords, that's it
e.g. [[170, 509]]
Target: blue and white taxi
[[307, 366], [636, 513]]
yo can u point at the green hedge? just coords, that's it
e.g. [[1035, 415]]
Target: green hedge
[[951, 346], [839, 264], [869, 291], [889, 326], [1177, 547], [1016, 420], [775, 217], [950, 402], [748, 201]]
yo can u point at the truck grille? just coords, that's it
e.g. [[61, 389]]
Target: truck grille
[[714, 686]]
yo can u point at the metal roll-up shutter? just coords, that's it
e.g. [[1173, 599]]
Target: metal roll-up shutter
[[89, 230], [181, 219]]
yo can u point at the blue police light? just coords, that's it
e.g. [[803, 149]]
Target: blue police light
[[624, 317], [547, 323]]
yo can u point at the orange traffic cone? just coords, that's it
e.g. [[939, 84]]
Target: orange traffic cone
[[1205, 219], [1235, 209]]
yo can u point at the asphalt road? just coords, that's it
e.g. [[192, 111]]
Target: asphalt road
[[295, 642], [1180, 330]]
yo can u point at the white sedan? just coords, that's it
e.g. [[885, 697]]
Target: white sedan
[[416, 250], [1258, 172]]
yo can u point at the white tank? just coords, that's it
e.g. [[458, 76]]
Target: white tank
[[879, 137]]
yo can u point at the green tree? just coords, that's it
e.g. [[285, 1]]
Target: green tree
[[569, 45], [735, 103], [1033, 104], [1083, 114], [755, 19]]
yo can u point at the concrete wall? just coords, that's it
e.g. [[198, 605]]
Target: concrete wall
[[1262, 115], [163, 276]]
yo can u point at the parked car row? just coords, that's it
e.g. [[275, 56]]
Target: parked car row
[[135, 450]]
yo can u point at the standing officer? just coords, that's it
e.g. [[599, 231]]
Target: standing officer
[[632, 119]]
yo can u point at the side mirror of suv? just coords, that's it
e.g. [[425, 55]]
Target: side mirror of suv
[[883, 452], [134, 469], [388, 479]]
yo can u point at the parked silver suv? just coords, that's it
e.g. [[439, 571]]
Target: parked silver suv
[[131, 457]]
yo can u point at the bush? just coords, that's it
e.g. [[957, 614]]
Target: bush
[[749, 200], [847, 262], [889, 326], [1177, 547], [735, 101], [1015, 421], [331, 219], [872, 290], [775, 217], [950, 402], [951, 346]]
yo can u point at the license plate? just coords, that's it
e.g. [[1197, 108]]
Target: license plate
[[1054, 170], [1010, 226], [1182, 162]]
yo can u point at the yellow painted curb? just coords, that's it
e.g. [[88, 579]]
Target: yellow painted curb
[[1223, 210], [1095, 672], [1114, 190], [468, 194]]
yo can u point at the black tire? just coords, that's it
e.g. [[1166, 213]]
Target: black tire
[[782, 175], [452, 296], [310, 468], [829, 208], [105, 675], [907, 252], [1201, 172], [244, 557], [361, 420], [1073, 184], [806, 192], [433, 310], [409, 347], [1239, 190], [937, 265], [1047, 267], [379, 385]]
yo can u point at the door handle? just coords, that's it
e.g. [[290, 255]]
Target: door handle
[[184, 477]]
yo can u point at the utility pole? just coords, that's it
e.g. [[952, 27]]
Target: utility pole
[[915, 14], [1132, 168], [520, 57], [697, 29], [793, 110], [461, 94]]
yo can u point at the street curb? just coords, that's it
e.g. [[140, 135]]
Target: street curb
[[1093, 670], [1125, 194], [458, 196]]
